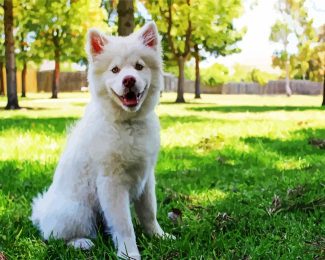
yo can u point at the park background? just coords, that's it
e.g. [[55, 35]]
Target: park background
[[241, 172]]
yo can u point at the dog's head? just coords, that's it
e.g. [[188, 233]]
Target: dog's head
[[126, 71]]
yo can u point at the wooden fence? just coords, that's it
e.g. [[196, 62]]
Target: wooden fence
[[31, 81], [69, 81], [275, 87], [74, 81]]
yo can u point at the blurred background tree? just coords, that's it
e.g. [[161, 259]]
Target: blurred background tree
[[192, 31], [10, 55], [191, 26], [294, 23], [125, 10], [2, 53], [175, 22], [61, 28], [280, 32], [214, 33]]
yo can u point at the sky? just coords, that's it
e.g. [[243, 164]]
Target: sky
[[256, 48]]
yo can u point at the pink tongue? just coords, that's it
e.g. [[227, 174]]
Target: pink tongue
[[130, 99]]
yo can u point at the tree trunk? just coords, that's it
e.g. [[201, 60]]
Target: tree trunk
[[125, 12], [287, 85], [2, 83], [23, 80], [197, 72], [181, 80], [323, 103], [10, 56], [56, 75]]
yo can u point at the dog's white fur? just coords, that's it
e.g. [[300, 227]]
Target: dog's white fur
[[111, 153]]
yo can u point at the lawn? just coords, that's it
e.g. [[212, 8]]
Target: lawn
[[238, 170]]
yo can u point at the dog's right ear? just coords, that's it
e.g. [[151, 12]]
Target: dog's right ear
[[95, 42]]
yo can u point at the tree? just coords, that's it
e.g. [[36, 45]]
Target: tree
[[125, 12], [2, 53], [216, 74], [317, 61], [175, 22], [213, 32], [261, 77], [24, 27], [189, 26], [61, 31], [280, 32], [10, 56], [294, 23]]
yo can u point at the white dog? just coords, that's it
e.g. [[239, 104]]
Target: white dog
[[111, 154]]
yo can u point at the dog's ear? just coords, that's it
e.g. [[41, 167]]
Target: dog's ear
[[95, 42], [149, 35]]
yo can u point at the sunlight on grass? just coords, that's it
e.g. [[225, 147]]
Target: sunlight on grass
[[223, 159], [291, 164], [207, 197]]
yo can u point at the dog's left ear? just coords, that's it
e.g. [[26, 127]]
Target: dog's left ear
[[95, 42], [149, 35]]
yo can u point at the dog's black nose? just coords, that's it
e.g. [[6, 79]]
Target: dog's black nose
[[129, 81]]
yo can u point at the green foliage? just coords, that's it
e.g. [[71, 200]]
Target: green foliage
[[316, 67], [241, 73], [261, 77], [25, 33], [210, 24], [213, 29], [173, 18], [62, 25], [215, 75], [222, 162], [295, 22]]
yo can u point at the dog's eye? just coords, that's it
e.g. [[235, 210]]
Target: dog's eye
[[138, 66], [116, 69]]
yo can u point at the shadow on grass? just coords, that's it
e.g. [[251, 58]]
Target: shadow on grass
[[59, 125], [271, 165], [186, 103], [35, 108], [254, 109], [56, 125]]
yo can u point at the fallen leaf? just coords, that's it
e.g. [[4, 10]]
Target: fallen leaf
[[296, 192], [317, 245], [300, 123], [223, 220], [276, 205], [175, 215], [319, 143], [2, 256]]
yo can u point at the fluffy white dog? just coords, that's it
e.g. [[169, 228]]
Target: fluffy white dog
[[111, 153]]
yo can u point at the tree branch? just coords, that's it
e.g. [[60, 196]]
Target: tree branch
[[169, 28], [188, 34]]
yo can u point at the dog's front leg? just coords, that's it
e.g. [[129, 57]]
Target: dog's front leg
[[115, 203], [146, 209]]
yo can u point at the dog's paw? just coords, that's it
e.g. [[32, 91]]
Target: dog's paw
[[164, 235], [168, 236], [81, 243], [130, 256]]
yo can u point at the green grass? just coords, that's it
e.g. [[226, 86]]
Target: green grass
[[239, 168]]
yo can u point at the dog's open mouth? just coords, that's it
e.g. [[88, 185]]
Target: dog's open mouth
[[130, 98]]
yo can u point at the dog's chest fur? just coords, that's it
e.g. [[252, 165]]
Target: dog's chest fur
[[126, 150]]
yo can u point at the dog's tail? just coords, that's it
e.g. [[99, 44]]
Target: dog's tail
[[37, 209]]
